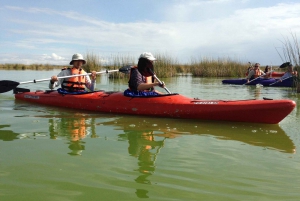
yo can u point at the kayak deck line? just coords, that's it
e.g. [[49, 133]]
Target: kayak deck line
[[170, 106]]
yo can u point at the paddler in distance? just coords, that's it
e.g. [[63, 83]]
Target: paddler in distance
[[74, 84], [255, 73], [289, 73]]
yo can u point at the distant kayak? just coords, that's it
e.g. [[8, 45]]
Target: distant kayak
[[277, 74], [272, 82]]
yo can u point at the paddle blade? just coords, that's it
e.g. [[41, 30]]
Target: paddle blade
[[7, 85], [284, 65], [125, 69]]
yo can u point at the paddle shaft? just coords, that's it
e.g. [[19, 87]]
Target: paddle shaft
[[68, 76], [281, 80], [160, 82], [259, 77]]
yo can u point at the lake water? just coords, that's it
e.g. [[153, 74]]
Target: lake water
[[50, 153]]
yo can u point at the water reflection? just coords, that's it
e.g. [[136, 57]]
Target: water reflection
[[263, 135], [144, 146], [7, 135], [139, 130], [146, 136], [75, 129]]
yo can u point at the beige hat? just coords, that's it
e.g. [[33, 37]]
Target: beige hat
[[147, 55], [77, 57]]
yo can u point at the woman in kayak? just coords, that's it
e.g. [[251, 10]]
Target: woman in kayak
[[255, 73], [74, 84], [141, 77], [289, 73], [267, 72]]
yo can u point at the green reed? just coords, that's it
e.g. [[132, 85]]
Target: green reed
[[29, 67], [291, 52], [93, 62], [165, 66], [221, 67]]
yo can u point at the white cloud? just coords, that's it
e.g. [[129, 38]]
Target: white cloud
[[248, 33], [56, 57]]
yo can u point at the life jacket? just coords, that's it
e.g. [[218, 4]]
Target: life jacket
[[147, 80], [256, 74], [74, 83], [77, 129]]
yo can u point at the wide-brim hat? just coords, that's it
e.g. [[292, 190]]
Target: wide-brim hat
[[77, 57]]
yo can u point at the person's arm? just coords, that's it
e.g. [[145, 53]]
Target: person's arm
[[251, 73], [145, 86], [90, 84], [54, 82]]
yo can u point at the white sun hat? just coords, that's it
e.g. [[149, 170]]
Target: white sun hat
[[148, 55], [77, 57]]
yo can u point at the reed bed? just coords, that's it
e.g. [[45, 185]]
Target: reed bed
[[29, 67], [220, 67], [291, 53], [165, 66], [93, 62]]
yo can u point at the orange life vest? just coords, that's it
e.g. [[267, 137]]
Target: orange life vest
[[257, 73], [77, 129], [75, 83], [147, 80]]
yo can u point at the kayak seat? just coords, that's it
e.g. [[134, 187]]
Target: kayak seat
[[64, 92], [130, 93]]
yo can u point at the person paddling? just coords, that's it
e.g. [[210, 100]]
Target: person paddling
[[141, 77], [255, 73], [289, 73], [267, 72], [74, 84]]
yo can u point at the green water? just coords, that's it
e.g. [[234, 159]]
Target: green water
[[49, 153]]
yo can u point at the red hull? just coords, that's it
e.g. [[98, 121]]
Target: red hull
[[173, 106], [277, 74]]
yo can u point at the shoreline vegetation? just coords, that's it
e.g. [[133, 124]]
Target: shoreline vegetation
[[165, 66]]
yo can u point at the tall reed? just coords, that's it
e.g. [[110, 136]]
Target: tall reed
[[165, 66], [29, 67], [93, 62], [291, 52], [221, 67]]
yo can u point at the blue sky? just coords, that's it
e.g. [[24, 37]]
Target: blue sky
[[50, 32]]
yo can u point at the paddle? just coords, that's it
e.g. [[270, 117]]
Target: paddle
[[280, 80], [257, 78], [160, 82], [284, 65], [7, 85]]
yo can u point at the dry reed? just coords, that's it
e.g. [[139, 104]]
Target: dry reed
[[291, 53]]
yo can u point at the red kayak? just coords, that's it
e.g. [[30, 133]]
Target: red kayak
[[170, 106], [277, 74]]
